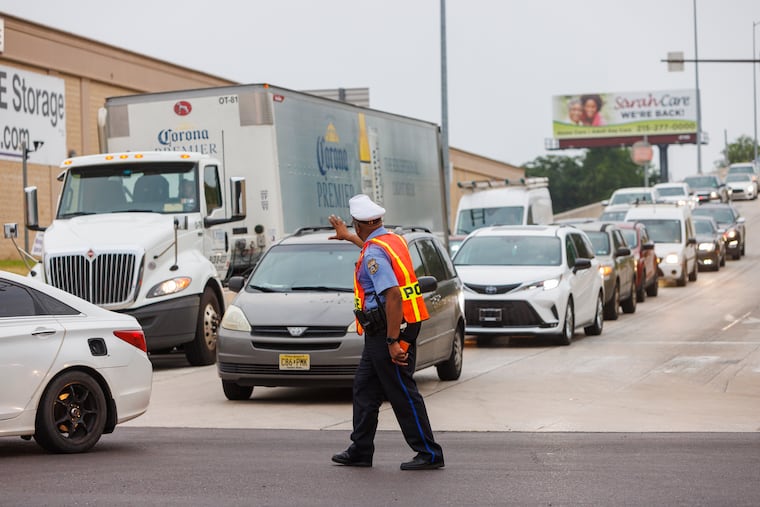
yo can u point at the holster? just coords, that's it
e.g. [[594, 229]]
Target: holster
[[373, 321]]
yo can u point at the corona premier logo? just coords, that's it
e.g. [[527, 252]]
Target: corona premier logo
[[182, 108], [167, 137], [330, 155]]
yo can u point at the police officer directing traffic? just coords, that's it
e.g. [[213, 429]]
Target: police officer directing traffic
[[389, 309]]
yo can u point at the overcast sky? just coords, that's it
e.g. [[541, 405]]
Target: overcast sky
[[506, 58]]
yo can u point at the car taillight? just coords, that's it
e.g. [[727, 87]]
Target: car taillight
[[133, 337]]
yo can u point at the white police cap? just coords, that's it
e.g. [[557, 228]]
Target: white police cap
[[362, 208]]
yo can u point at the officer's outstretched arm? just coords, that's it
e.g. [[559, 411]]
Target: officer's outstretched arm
[[342, 232]]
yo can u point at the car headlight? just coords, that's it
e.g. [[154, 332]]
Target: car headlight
[[551, 283], [171, 286], [706, 247], [671, 259], [713, 195], [605, 271], [234, 320], [351, 327], [731, 234]]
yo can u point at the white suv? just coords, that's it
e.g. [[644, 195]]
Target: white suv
[[530, 280], [675, 243]]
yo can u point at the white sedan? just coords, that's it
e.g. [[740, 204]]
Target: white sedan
[[70, 370]]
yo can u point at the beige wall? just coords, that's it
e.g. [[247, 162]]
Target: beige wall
[[91, 71]]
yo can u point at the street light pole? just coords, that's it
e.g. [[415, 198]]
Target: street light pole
[[754, 88], [24, 156], [25, 151], [699, 106], [445, 124]]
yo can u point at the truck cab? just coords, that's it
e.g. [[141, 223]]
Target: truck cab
[[147, 234]]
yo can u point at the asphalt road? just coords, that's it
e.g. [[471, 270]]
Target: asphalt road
[[213, 467], [663, 408]]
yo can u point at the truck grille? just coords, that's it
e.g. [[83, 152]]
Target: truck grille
[[107, 279]]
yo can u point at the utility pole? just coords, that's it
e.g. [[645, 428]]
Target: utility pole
[[445, 124], [699, 106]]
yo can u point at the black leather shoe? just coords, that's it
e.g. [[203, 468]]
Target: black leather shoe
[[422, 463], [344, 458]]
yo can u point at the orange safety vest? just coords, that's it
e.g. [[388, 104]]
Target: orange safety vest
[[412, 302]]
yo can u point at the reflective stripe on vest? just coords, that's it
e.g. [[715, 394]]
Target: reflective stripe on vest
[[412, 302]]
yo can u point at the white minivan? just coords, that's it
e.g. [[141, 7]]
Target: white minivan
[[672, 230], [488, 203]]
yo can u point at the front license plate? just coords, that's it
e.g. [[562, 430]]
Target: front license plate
[[295, 362], [490, 314]]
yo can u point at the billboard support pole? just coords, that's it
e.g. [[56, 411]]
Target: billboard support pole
[[663, 149]]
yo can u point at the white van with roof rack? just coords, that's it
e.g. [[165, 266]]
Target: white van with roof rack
[[671, 228], [503, 202]]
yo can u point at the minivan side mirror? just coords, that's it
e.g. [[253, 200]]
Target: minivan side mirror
[[427, 283], [581, 263], [622, 251], [647, 246]]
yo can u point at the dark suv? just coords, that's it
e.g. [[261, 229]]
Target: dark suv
[[292, 324]]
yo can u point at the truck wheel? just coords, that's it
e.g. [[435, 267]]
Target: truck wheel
[[72, 414], [202, 350], [235, 392], [451, 368]]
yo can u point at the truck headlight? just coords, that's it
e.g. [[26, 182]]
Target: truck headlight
[[671, 259], [234, 320], [170, 286]]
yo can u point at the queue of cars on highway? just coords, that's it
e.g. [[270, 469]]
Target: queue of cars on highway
[[291, 322]]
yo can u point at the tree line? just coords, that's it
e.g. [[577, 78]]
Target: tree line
[[593, 175]]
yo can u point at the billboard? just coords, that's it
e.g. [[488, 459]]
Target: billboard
[[32, 108], [624, 114]]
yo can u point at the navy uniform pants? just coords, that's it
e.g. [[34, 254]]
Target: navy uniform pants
[[378, 379]]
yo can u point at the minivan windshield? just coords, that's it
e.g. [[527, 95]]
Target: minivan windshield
[[306, 267], [509, 251], [475, 218], [662, 230]]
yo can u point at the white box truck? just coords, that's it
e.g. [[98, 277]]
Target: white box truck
[[194, 185], [503, 202]]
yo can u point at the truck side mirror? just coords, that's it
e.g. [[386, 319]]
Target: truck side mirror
[[31, 215], [237, 198]]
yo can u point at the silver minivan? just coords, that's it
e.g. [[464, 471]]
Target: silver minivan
[[292, 322]]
